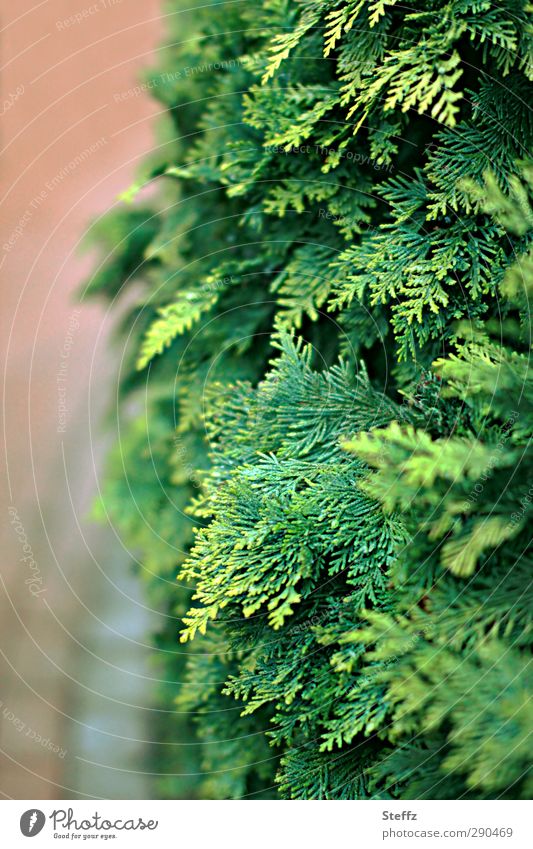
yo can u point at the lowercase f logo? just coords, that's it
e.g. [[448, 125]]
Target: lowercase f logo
[[32, 822]]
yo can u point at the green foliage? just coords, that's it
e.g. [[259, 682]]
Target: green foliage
[[332, 445]]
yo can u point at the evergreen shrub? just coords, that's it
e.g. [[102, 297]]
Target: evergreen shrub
[[323, 448]]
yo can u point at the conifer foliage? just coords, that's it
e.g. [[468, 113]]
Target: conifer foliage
[[329, 479]]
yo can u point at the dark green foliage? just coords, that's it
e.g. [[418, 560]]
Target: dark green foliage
[[333, 350]]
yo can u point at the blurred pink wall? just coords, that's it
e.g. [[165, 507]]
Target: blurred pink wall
[[62, 63]]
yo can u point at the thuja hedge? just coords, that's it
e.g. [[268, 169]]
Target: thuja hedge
[[323, 454]]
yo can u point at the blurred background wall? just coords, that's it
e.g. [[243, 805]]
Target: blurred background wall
[[75, 676]]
